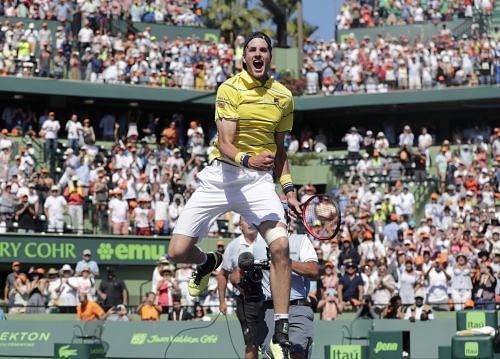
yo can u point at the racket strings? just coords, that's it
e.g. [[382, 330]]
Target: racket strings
[[322, 217]]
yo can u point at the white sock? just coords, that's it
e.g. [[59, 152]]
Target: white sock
[[280, 316]]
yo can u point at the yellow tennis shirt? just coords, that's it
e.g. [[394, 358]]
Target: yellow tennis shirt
[[261, 110]]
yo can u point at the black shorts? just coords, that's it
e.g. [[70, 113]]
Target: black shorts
[[248, 315]]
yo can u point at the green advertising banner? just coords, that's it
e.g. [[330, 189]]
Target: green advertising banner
[[477, 347], [476, 319], [386, 344], [44, 249], [346, 352], [189, 340], [79, 351], [36, 338]]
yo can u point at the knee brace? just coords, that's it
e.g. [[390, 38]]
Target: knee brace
[[273, 234]]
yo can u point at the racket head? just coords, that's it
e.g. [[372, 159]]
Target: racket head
[[321, 217]]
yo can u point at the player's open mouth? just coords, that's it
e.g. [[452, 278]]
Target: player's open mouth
[[258, 64]]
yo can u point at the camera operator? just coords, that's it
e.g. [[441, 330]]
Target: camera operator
[[366, 310], [304, 268], [249, 300]]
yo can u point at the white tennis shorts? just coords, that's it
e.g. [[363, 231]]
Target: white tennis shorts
[[225, 188]]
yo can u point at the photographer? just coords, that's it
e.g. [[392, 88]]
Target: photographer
[[148, 310], [248, 298], [366, 310], [304, 268]]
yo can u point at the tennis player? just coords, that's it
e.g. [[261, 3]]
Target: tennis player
[[253, 113]]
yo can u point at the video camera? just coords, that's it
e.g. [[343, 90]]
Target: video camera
[[251, 275]]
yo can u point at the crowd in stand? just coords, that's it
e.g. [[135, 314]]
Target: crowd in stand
[[384, 254], [356, 14], [139, 186], [387, 64], [96, 55], [330, 67], [101, 13]]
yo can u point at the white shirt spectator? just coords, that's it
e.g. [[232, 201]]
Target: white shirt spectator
[[85, 35], [68, 295], [161, 210], [55, 206], [119, 209], [141, 216], [407, 203], [353, 141], [437, 291], [51, 128], [73, 128]]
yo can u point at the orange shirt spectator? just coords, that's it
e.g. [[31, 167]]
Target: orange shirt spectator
[[148, 310], [88, 309], [170, 134]]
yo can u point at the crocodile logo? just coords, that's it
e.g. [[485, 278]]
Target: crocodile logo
[[67, 352]]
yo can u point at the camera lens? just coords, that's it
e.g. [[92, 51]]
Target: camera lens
[[255, 276]]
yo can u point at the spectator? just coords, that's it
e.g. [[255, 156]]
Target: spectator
[[349, 255], [20, 294], [406, 138], [383, 287], [74, 194], [10, 282], [85, 283], [112, 290], [485, 284], [75, 132], [88, 133], [160, 207], [409, 283], [182, 275], [394, 310], [118, 215], [25, 216], [366, 310], [88, 309], [143, 217], [350, 290], [166, 288], [148, 310], [329, 303], [67, 291], [461, 283], [199, 313], [177, 312], [87, 262], [419, 311], [354, 141], [36, 289], [118, 314], [55, 207], [50, 129], [52, 286], [437, 291]]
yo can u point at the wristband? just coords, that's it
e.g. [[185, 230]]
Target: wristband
[[288, 187], [286, 183], [242, 159], [286, 179]]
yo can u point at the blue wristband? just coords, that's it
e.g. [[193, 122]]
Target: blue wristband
[[244, 160]]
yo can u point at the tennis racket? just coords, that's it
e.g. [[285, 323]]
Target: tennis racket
[[321, 217]]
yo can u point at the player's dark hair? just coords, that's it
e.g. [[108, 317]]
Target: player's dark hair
[[256, 35]]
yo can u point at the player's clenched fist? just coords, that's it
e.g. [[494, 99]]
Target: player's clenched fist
[[264, 161]]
